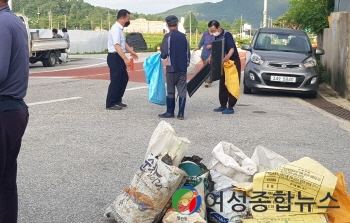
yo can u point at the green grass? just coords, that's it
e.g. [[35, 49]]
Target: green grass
[[155, 40]]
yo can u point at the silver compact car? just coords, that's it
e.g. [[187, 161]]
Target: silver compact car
[[281, 59]]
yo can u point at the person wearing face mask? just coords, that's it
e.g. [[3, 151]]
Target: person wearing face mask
[[227, 100], [118, 62], [205, 42]]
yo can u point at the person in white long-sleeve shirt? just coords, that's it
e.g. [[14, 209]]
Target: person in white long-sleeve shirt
[[64, 58]]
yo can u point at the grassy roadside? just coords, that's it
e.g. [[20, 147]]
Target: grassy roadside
[[155, 40]]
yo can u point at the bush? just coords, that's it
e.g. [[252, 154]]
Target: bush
[[240, 41], [325, 76], [156, 45]]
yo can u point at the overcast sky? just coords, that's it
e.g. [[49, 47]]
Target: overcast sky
[[145, 6]]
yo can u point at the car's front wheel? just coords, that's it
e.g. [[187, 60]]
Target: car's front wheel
[[246, 90]]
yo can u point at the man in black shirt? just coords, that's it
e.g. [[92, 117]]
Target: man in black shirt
[[227, 100]]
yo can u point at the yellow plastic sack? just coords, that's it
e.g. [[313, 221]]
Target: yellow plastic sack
[[342, 214], [231, 78]]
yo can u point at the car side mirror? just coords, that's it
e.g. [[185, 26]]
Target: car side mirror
[[246, 47], [319, 52]]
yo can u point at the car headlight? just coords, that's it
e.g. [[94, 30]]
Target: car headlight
[[255, 58], [310, 62]]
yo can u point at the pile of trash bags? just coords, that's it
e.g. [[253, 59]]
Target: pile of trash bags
[[172, 188]]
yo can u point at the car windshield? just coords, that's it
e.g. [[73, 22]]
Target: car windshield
[[285, 42]]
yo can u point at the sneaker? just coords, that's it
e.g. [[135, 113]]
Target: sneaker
[[228, 111], [115, 107], [219, 109], [122, 105]]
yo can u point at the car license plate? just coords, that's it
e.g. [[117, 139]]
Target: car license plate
[[283, 79]]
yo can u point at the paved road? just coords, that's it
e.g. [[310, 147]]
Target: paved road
[[76, 156]]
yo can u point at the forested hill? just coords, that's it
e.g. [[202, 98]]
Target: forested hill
[[229, 10], [78, 14]]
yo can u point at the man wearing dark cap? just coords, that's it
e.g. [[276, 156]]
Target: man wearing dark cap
[[14, 72], [176, 50]]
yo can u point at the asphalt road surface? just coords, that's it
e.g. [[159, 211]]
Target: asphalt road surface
[[77, 156]]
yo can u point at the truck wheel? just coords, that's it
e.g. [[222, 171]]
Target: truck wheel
[[32, 60], [51, 61], [44, 63]]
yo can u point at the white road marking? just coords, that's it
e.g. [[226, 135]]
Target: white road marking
[[74, 68], [53, 101], [136, 88], [75, 98], [65, 77]]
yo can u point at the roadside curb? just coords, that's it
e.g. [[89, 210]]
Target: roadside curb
[[342, 123]]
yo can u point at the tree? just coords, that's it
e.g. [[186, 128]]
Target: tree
[[225, 25], [79, 14], [190, 18], [237, 24], [287, 21], [202, 26], [309, 14]]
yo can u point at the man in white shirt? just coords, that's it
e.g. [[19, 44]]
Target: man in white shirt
[[118, 62]]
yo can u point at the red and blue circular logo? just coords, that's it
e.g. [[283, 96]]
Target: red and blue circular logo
[[186, 200]]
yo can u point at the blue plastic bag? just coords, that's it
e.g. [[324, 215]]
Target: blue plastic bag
[[154, 75]]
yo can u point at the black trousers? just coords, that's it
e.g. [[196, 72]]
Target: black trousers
[[119, 79], [224, 94], [13, 123]]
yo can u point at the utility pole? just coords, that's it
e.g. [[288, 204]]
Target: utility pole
[[101, 25], [65, 21], [271, 22], [190, 29], [38, 14], [240, 28], [50, 22], [265, 13], [10, 4], [109, 22], [51, 18]]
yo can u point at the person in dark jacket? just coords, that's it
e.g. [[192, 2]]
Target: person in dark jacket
[[227, 101], [176, 51], [55, 34], [14, 73]]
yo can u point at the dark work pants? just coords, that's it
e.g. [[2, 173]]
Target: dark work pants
[[224, 95], [119, 79], [178, 80], [12, 126]]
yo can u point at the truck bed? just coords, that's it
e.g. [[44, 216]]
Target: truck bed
[[44, 44]]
